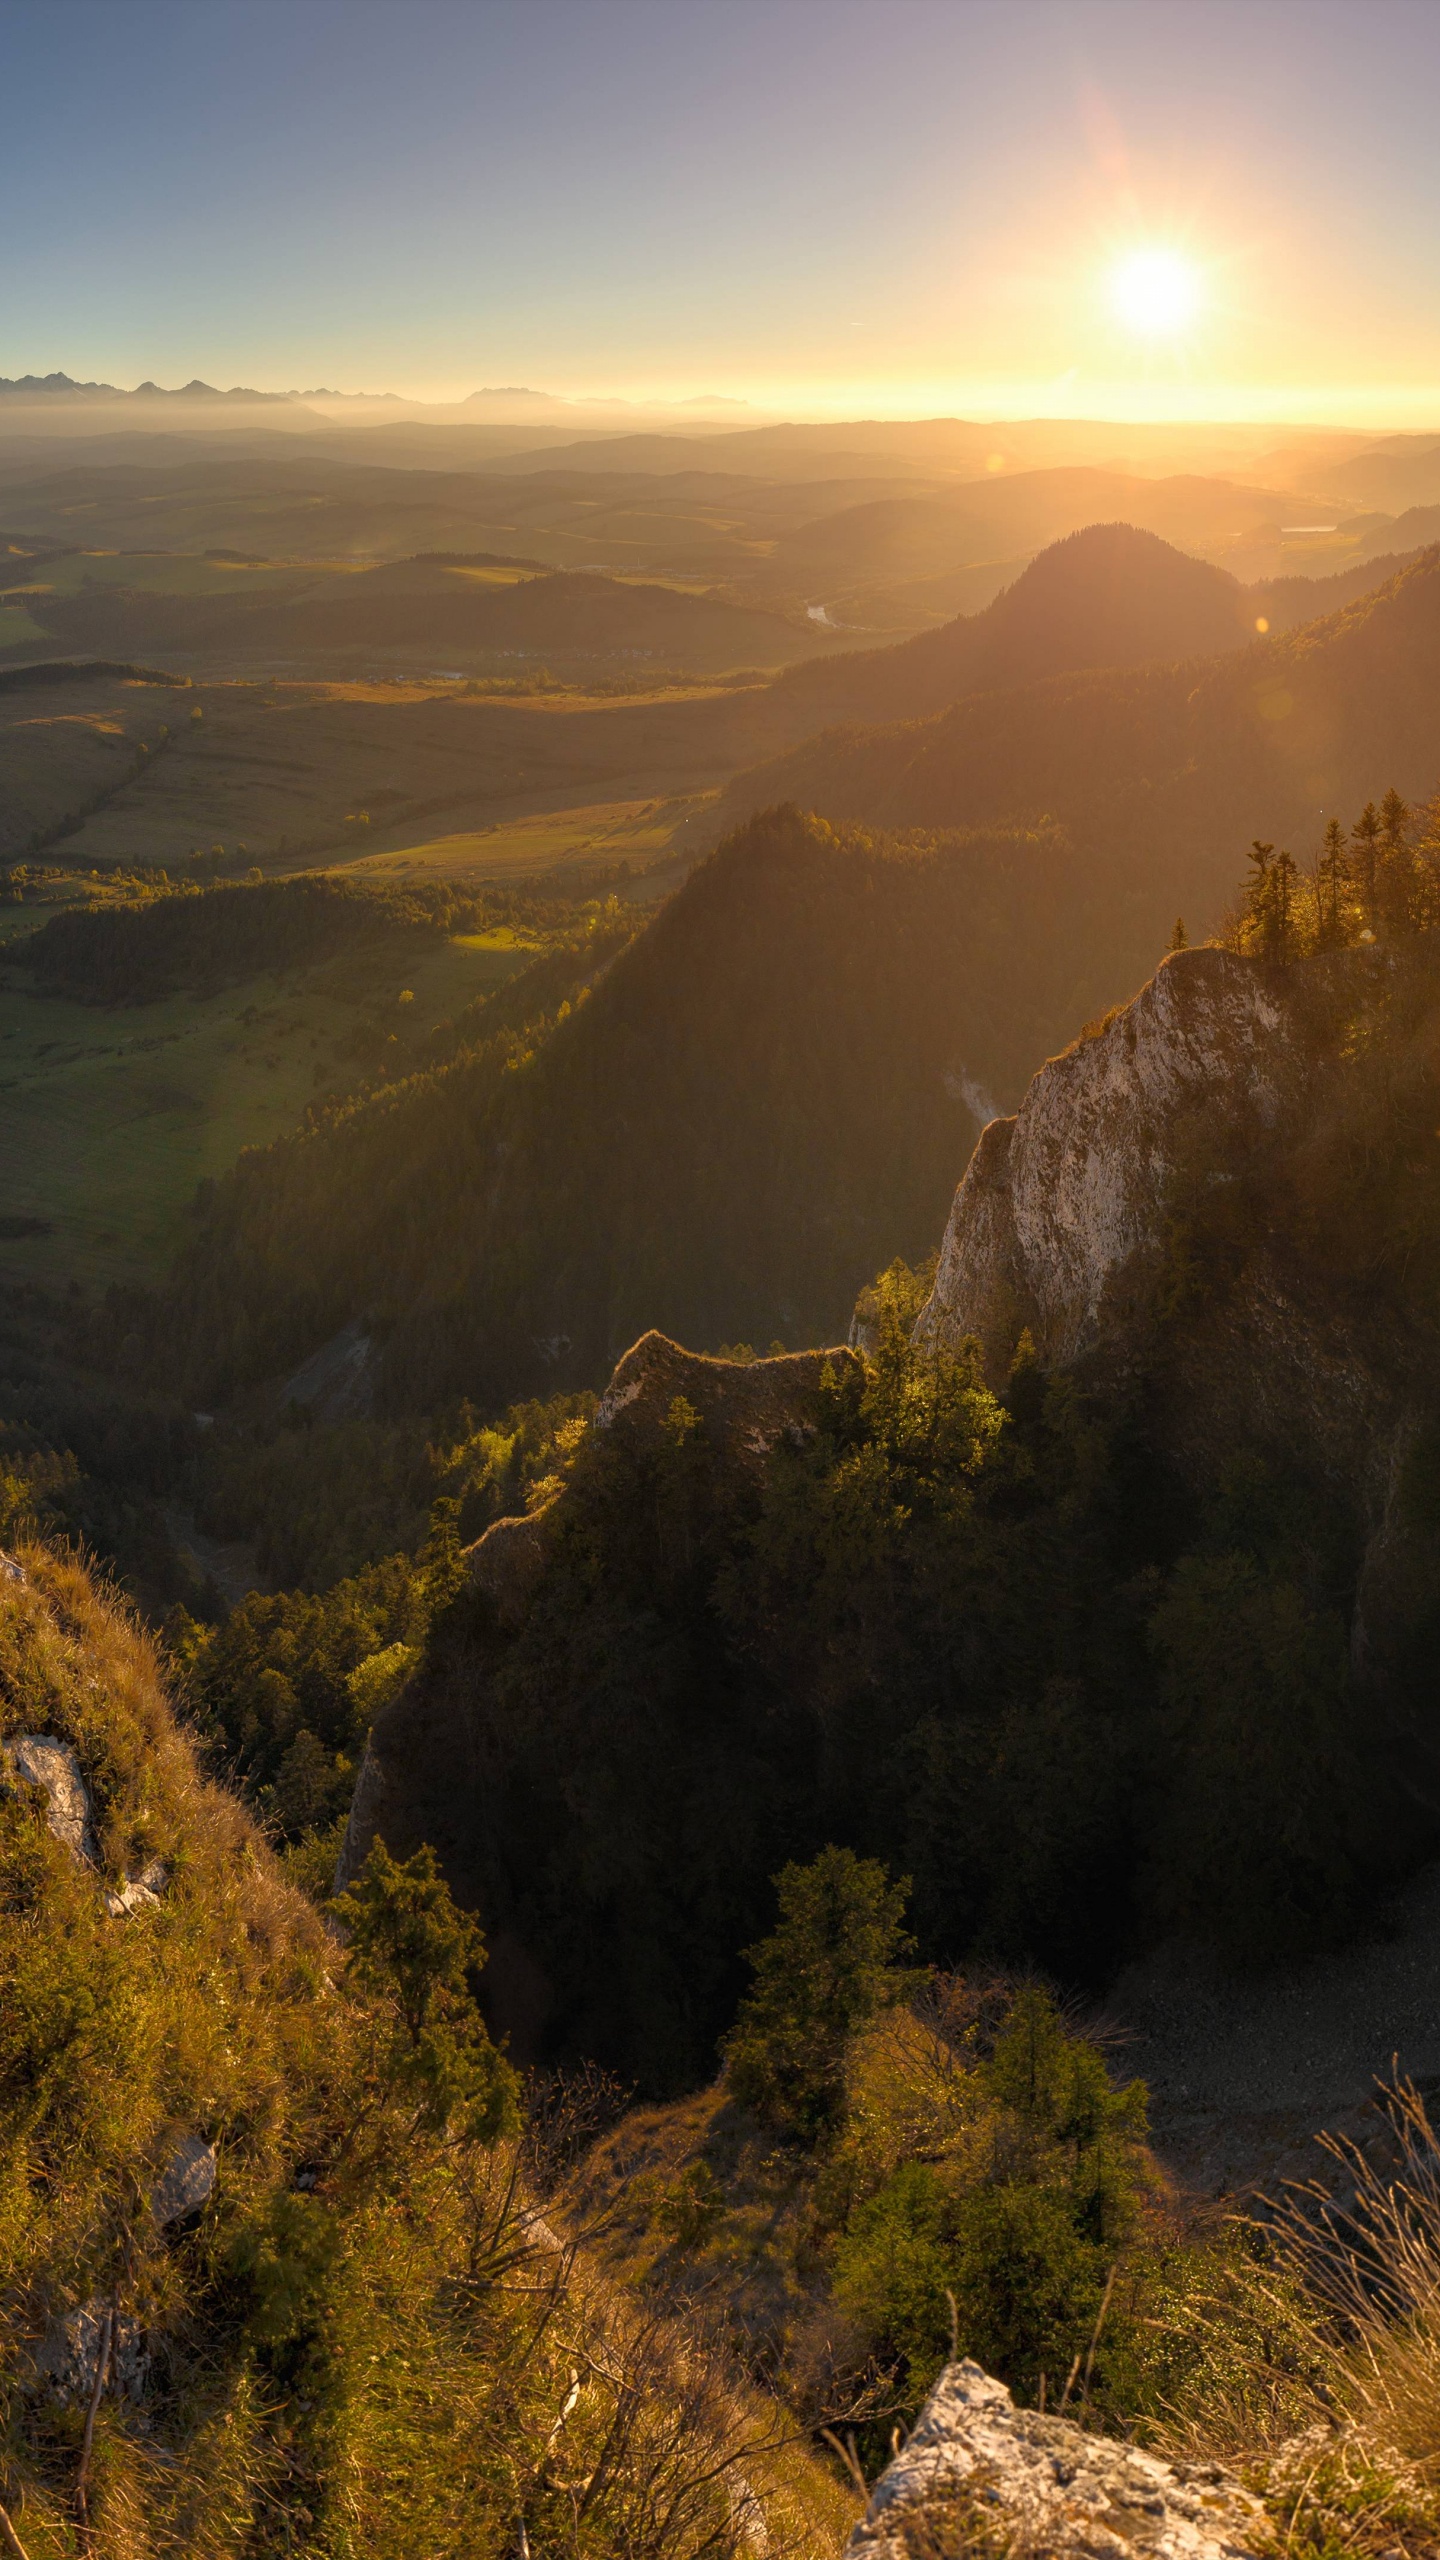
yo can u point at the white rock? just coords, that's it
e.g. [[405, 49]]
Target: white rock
[[139, 1893], [1058, 1200], [42, 1760], [1053, 2491], [67, 2356], [187, 2181]]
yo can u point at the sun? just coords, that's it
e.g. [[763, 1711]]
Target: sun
[[1155, 291]]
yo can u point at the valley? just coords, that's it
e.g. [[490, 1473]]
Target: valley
[[716, 1310]]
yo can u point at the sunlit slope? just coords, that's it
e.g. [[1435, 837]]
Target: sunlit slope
[[110, 1114], [1171, 768], [304, 771]]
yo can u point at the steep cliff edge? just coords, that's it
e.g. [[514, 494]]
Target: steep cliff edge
[[1064, 1203], [681, 1444]]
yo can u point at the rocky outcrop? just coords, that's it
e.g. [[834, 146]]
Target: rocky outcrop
[[417, 1778], [77, 2344], [1060, 1203], [508, 1563], [186, 2182], [979, 2475], [744, 1406], [42, 1760]]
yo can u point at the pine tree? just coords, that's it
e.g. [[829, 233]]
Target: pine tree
[[1283, 937], [1255, 909], [1179, 938], [1331, 881], [1395, 883], [1365, 836], [834, 1960]]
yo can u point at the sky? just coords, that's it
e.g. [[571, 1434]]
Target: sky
[[823, 207]]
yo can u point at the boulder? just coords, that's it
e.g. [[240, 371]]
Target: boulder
[[186, 2182], [68, 2355], [43, 1760], [981, 2477]]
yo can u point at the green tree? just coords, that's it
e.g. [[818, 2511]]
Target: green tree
[[831, 1965], [1395, 886], [1331, 884], [1365, 837], [414, 1952], [1070, 2121]]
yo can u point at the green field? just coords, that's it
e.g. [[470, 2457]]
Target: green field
[[640, 832], [18, 628], [110, 1116]]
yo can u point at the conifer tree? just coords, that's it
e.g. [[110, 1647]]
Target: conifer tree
[[1365, 836], [1395, 883], [1331, 881]]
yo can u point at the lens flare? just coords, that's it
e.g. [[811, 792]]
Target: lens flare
[[1155, 291]]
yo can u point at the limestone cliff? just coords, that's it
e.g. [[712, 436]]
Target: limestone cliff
[[1062, 1202], [1204, 1106]]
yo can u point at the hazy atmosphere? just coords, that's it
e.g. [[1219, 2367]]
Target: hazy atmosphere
[[809, 203], [719, 1280]]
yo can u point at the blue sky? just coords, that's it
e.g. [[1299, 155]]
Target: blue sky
[[832, 204]]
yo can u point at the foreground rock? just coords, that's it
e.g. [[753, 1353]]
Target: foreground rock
[[979, 2476], [43, 1760]]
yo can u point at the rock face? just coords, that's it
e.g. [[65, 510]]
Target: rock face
[[1058, 1202], [979, 2475]]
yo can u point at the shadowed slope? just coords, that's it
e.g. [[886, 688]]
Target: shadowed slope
[[1110, 596], [768, 1096]]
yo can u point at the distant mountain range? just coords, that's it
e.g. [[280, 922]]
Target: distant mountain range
[[60, 386]]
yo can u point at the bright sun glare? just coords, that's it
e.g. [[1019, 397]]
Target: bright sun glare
[[1155, 291]]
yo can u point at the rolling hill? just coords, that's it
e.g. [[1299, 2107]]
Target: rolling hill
[[1110, 596], [1163, 773], [439, 608]]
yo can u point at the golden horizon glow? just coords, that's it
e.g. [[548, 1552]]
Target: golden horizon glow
[[1155, 291]]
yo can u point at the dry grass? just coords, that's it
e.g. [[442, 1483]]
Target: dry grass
[[440, 2370]]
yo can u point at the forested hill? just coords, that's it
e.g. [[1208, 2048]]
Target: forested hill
[[1110, 596], [769, 1094], [1178, 763]]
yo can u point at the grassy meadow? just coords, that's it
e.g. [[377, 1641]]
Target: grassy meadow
[[109, 1116], [641, 832], [288, 774]]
